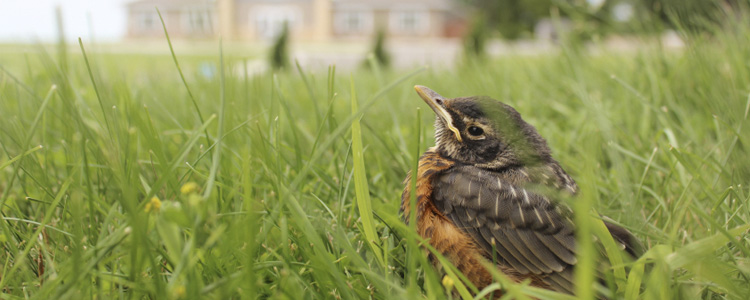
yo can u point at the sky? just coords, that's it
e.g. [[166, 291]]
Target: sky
[[29, 21]]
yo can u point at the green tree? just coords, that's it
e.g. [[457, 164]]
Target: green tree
[[476, 38], [692, 15], [513, 19], [381, 55]]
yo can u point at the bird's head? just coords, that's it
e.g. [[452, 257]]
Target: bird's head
[[484, 132]]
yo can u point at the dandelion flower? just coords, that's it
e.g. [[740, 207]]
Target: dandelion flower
[[153, 205], [189, 188], [448, 282], [179, 292]]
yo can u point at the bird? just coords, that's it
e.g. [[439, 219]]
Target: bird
[[490, 190]]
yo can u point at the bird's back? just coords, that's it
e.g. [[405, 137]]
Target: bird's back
[[451, 240]]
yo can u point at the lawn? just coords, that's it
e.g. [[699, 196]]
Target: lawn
[[121, 179]]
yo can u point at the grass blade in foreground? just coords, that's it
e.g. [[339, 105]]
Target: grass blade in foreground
[[360, 184]]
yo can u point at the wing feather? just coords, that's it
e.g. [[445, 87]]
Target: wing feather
[[562, 281], [561, 251], [540, 250], [505, 254], [520, 226]]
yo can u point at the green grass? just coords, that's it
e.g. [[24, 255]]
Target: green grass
[[289, 166]]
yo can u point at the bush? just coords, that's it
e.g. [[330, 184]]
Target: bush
[[380, 54], [280, 50], [476, 38]]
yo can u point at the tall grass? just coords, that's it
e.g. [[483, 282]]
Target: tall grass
[[155, 181]]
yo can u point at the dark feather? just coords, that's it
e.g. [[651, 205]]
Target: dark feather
[[520, 226]]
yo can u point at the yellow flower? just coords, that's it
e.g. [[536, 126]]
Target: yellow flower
[[180, 292], [153, 205], [448, 282], [189, 188]]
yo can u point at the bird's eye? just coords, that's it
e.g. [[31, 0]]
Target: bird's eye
[[475, 131]]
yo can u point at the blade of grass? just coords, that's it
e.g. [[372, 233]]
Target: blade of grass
[[96, 88], [21, 257], [614, 254], [346, 125], [361, 185], [310, 91], [15, 171], [413, 250], [182, 76], [220, 131]]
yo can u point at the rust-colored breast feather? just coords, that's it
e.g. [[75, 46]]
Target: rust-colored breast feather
[[455, 244]]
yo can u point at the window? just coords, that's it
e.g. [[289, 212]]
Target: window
[[409, 21], [147, 21], [348, 22], [269, 21], [197, 22]]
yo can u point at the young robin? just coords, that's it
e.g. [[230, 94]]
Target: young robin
[[487, 191]]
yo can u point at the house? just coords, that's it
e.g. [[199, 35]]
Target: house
[[309, 20], [183, 18]]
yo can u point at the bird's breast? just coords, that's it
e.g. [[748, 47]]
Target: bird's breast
[[442, 234]]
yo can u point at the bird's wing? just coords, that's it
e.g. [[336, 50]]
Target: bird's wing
[[523, 229]]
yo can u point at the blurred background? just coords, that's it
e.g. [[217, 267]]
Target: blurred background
[[323, 32], [173, 167]]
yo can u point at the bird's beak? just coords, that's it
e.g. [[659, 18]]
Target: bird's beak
[[437, 103]]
